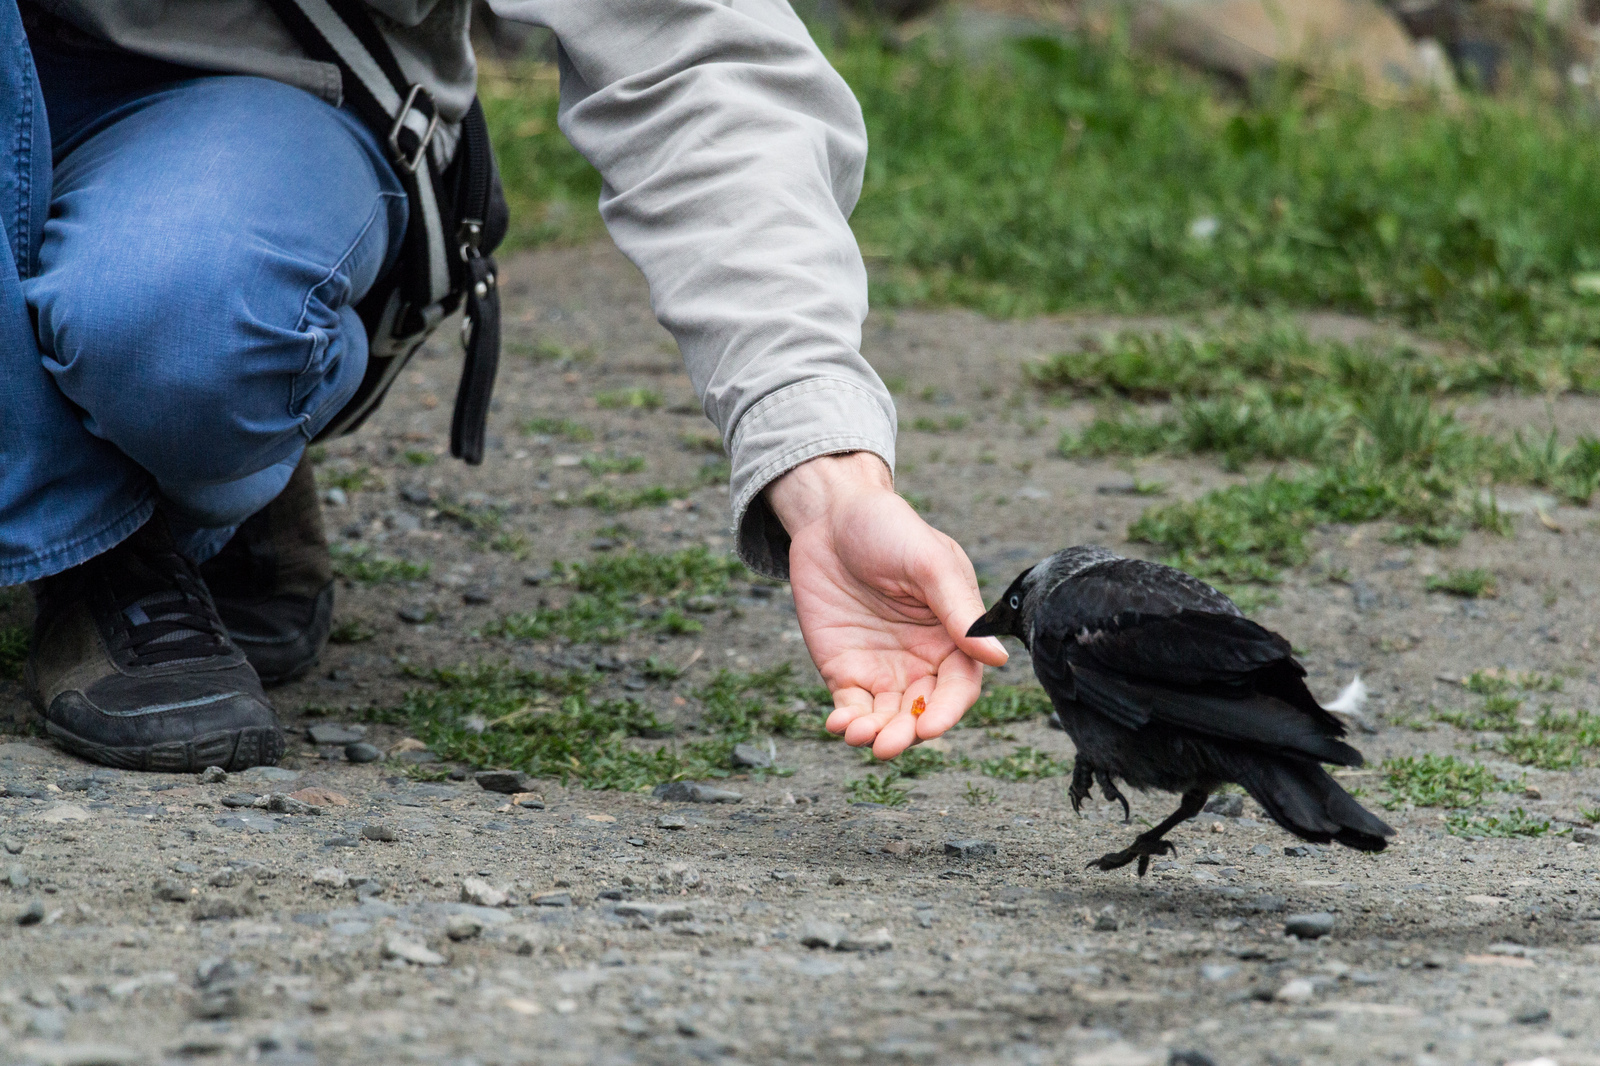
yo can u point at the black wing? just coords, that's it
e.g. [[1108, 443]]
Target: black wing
[[1213, 673]]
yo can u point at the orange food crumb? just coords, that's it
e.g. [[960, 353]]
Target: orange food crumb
[[918, 705]]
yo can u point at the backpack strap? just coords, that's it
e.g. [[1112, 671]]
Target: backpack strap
[[437, 267]]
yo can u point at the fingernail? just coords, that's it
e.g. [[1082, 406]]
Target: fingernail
[[994, 642]]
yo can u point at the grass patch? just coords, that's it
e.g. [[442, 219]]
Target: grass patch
[[739, 706], [947, 424], [617, 501], [565, 428], [351, 631], [1474, 584], [417, 457], [627, 592], [357, 563], [885, 789], [552, 190], [359, 479], [1005, 704], [639, 399], [600, 465], [1516, 823], [547, 725], [1437, 781], [14, 644], [1025, 764]]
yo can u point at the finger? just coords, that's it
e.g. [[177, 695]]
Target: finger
[[960, 682], [951, 590], [848, 705], [864, 730], [900, 732]]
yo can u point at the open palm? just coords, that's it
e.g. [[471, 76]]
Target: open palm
[[885, 601]]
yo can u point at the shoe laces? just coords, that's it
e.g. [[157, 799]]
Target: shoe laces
[[163, 612]]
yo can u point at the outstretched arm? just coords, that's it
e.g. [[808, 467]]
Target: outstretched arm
[[884, 600]]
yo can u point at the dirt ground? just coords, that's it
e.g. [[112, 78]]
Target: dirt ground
[[142, 919]]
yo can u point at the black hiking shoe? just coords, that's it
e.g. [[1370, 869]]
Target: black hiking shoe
[[131, 667], [273, 583]]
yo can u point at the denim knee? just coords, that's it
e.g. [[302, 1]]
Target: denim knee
[[198, 275]]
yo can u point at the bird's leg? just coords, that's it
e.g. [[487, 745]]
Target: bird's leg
[[1149, 843], [1109, 790], [1082, 778]]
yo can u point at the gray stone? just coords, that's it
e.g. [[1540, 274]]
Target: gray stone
[[874, 940], [379, 832], [971, 849], [212, 775], [672, 821], [47, 1024], [694, 792], [1227, 804], [239, 799], [1585, 836], [1217, 971], [267, 773], [463, 926], [362, 752], [33, 914], [1261, 851], [414, 613], [655, 912], [1303, 851], [751, 756], [508, 782], [336, 733], [553, 899], [173, 891], [1532, 1016], [12, 846], [282, 803], [1309, 926], [1106, 920], [399, 947], [480, 893], [74, 784], [247, 820], [16, 876], [219, 908], [821, 935], [476, 595]]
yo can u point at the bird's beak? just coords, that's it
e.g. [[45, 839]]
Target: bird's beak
[[987, 626]]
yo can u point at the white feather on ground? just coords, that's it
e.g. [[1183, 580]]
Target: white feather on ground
[[1350, 700]]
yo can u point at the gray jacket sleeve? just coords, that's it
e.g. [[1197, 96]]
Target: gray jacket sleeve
[[732, 154]]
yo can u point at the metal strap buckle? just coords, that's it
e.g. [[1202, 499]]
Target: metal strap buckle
[[416, 158]]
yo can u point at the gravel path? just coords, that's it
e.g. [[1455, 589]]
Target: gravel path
[[330, 911]]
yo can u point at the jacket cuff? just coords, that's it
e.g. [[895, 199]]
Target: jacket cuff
[[797, 423]]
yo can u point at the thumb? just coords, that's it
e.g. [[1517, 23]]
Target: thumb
[[950, 588]]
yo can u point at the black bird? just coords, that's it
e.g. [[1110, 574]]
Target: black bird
[[1161, 681]]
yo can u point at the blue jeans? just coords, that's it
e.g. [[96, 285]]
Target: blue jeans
[[176, 312]]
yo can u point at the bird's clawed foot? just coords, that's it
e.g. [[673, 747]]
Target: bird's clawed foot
[[1109, 790], [1082, 778], [1143, 848]]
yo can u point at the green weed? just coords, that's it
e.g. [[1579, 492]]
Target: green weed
[[14, 644], [564, 428], [351, 631], [947, 424], [547, 725], [357, 563], [613, 464], [1474, 584], [420, 458], [873, 788], [359, 479], [624, 399], [740, 706], [1025, 764], [618, 501], [1437, 781], [979, 797], [1004, 704], [1516, 823]]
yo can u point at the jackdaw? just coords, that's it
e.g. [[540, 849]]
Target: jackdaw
[[1161, 681]]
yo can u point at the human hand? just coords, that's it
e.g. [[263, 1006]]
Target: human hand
[[884, 600]]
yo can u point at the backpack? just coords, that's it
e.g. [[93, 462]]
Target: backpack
[[458, 217]]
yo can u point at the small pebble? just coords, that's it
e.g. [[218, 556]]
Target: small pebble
[[695, 792], [1309, 926], [213, 775], [379, 832], [33, 915], [672, 821], [508, 782], [476, 594], [336, 733], [362, 752], [462, 927], [971, 849], [1227, 804], [753, 757], [414, 613], [12, 846]]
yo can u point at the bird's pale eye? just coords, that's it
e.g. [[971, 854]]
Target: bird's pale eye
[[1016, 601]]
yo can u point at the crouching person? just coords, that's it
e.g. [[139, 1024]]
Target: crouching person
[[194, 211]]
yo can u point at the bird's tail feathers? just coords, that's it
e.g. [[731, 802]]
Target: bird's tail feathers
[[1305, 800]]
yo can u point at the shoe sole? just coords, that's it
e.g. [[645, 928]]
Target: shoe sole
[[237, 749]]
